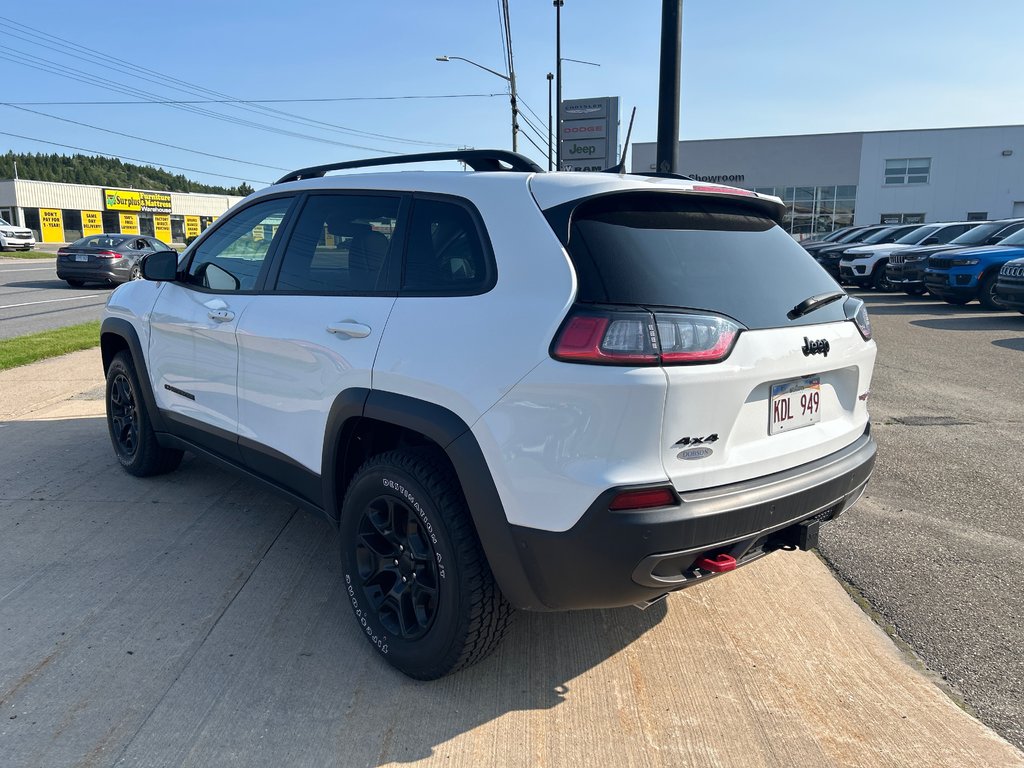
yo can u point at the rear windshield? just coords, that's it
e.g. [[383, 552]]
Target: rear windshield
[[99, 241], [677, 250]]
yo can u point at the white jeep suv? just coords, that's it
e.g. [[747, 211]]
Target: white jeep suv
[[505, 388]]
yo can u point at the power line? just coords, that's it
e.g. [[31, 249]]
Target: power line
[[139, 138], [112, 85], [252, 101], [168, 82], [133, 159]]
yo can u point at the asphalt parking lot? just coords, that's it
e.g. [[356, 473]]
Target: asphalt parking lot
[[194, 620], [937, 544]]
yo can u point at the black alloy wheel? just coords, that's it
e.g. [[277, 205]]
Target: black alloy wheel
[[135, 442], [124, 416], [397, 567], [881, 280], [415, 574], [987, 292]]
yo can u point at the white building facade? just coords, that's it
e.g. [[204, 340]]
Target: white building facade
[[831, 180]]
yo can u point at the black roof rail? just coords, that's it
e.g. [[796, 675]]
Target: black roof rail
[[477, 159]]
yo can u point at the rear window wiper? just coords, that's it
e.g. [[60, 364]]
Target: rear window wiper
[[812, 303]]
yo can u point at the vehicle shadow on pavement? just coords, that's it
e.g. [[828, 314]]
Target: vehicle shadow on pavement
[[1015, 344], [193, 618], [54, 283], [988, 322], [899, 304]]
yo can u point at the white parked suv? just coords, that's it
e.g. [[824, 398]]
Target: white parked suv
[[506, 388], [865, 265], [14, 238]]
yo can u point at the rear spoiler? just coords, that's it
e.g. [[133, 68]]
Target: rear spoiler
[[765, 206]]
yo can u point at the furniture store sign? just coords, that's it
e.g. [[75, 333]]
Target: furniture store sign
[[135, 201], [590, 133]]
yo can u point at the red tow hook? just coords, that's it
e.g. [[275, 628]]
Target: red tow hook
[[717, 564]]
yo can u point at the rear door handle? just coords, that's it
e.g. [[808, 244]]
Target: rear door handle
[[350, 329], [221, 315]]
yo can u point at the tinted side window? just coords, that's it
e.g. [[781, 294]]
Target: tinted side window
[[445, 253], [340, 244], [231, 257], [948, 233]]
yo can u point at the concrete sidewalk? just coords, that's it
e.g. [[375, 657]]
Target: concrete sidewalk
[[194, 620]]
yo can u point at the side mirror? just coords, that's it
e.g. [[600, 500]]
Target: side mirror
[[161, 266]]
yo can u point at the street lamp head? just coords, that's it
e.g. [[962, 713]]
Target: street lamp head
[[442, 58]]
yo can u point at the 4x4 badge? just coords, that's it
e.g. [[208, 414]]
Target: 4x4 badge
[[816, 347]]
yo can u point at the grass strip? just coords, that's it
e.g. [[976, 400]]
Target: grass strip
[[22, 350], [27, 255]]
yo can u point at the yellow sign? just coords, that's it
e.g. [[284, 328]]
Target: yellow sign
[[136, 201], [162, 227], [51, 224], [129, 224], [191, 226], [92, 223]]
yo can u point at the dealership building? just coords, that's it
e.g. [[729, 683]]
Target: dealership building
[[833, 179], [62, 213]]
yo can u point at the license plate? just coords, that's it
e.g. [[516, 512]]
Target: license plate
[[81, 257], [794, 404]]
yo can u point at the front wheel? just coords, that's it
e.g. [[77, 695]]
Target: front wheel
[[987, 293], [881, 280], [415, 573], [131, 432]]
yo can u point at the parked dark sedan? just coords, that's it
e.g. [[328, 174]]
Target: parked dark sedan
[[105, 258], [905, 269]]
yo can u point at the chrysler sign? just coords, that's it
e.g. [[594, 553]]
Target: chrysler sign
[[590, 130]]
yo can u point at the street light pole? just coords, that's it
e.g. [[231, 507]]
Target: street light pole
[[558, 82], [510, 79], [550, 78], [668, 88]]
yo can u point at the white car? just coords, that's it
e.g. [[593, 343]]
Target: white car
[[14, 238], [865, 265], [506, 388]]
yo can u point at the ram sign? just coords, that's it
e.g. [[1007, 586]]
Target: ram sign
[[590, 133]]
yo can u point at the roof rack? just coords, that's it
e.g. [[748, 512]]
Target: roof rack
[[477, 159]]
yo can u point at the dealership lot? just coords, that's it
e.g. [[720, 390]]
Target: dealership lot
[[191, 619]]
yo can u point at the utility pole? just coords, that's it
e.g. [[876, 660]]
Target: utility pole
[[550, 78], [558, 82], [668, 89]]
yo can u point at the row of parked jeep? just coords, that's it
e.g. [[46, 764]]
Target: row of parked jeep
[[957, 261]]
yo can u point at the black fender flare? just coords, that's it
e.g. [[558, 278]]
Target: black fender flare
[[123, 329], [454, 436]]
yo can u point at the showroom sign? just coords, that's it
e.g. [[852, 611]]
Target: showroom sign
[[590, 133], [136, 202]]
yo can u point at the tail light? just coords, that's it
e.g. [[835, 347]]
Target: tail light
[[636, 337], [108, 255], [63, 252], [857, 312]]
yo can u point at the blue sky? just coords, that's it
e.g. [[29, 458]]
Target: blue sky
[[749, 69]]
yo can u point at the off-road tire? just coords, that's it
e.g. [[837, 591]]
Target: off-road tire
[[415, 494], [131, 432]]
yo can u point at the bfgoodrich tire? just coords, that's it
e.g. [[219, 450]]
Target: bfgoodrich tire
[[414, 573], [131, 432]]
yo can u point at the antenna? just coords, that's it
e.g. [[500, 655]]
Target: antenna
[[621, 167]]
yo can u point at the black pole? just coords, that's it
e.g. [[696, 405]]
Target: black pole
[[558, 82], [550, 78], [668, 90]]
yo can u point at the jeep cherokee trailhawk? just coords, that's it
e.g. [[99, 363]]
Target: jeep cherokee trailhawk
[[505, 388]]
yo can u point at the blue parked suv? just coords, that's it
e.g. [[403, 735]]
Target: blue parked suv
[[971, 273]]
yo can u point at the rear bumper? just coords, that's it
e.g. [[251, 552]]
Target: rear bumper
[[623, 558], [67, 269]]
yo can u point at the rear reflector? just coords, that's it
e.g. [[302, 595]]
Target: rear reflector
[[643, 499], [633, 337]]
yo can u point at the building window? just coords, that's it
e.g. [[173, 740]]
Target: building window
[[908, 170], [72, 225], [32, 222], [901, 218], [814, 211], [111, 223], [977, 215]]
